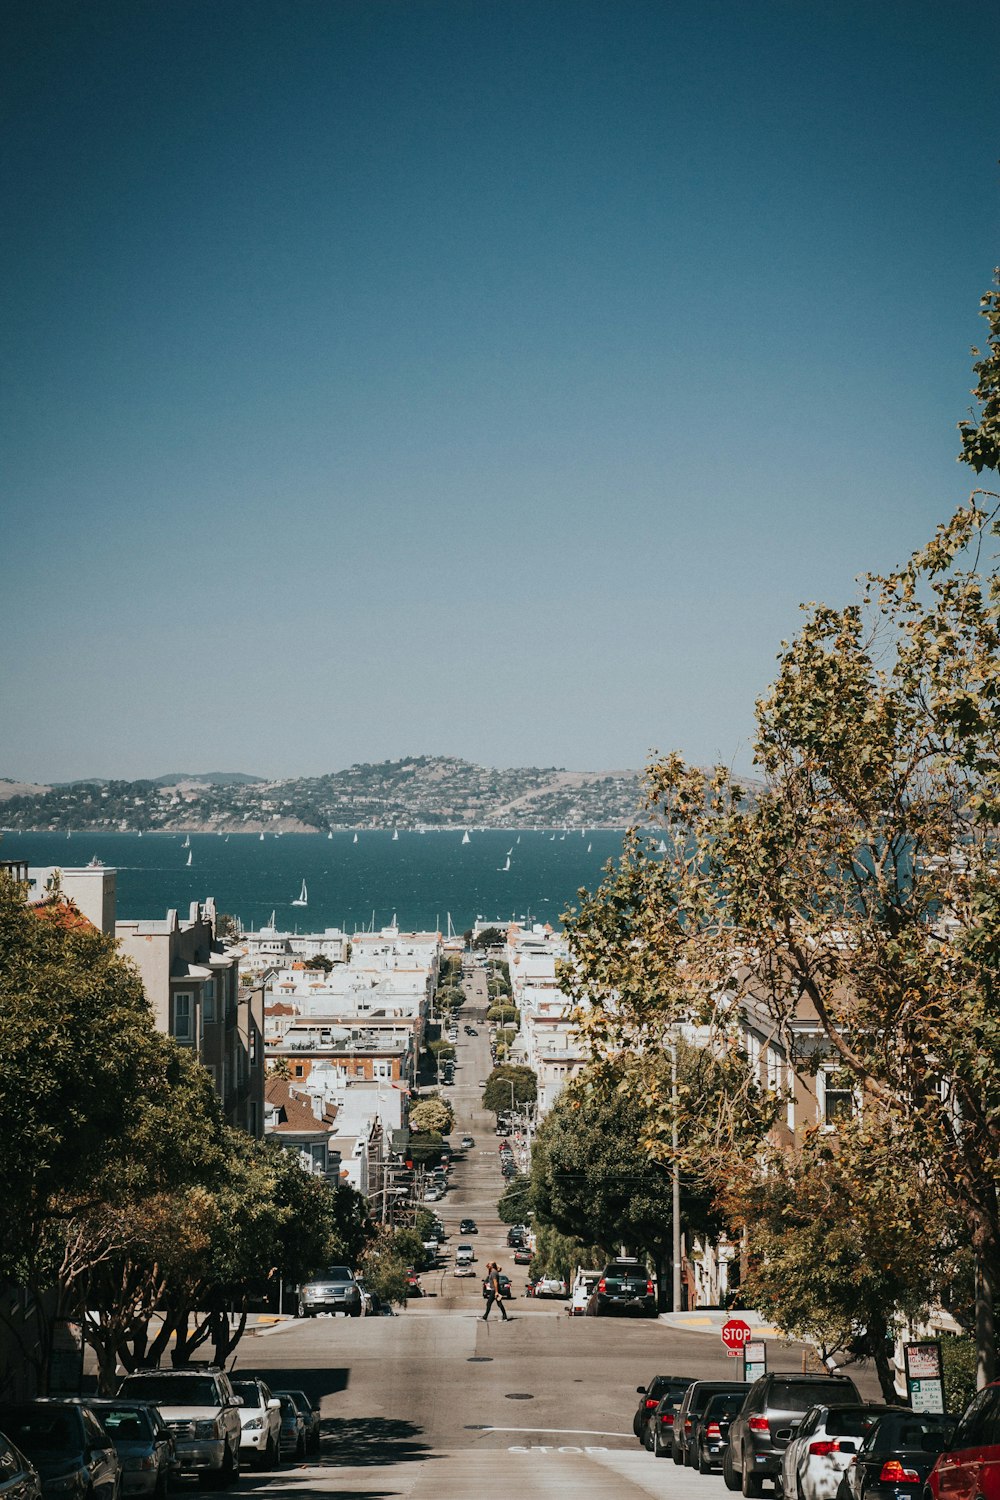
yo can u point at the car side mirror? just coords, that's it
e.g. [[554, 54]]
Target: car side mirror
[[274, 1404], [640, 1390]]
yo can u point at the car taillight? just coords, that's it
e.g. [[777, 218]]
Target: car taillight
[[602, 1285], [824, 1448], [713, 1430], [759, 1424], [893, 1472], [651, 1401], [687, 1424], [667, 1418], [649, 1288]]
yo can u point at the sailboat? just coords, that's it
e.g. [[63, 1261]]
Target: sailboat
[[262, 838], [355, 838], [330, 834], [661, 847], [589, 847], [303, 897], [271, 922], [505, 866], [190, 856], [518, 839], [187, 841], [510, 851], [395, 834], [69, 833], [465, 837]]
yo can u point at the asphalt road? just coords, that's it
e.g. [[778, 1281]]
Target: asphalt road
[[435, 1403]]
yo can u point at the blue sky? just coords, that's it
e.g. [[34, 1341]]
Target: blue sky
[[490, 379]]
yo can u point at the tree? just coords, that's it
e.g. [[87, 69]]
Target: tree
[[514, 1202], [508, 1086], [432, 1114], [490, 937], [844, 1240], [320, 962], [981, 437], [383, 1268], [504, 1011], [858, 886]]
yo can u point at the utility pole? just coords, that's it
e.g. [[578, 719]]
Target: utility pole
[[676, 1183]]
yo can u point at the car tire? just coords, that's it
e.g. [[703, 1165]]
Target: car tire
[[751, 1485], [660, 1449], [729, 1476], [704, 1467], [844, 1492], [300, 1448], [676, 1454]]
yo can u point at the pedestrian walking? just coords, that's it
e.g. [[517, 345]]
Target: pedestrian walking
[[492, 1289]]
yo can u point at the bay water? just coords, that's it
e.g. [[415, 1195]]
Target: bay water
[[420, 878]]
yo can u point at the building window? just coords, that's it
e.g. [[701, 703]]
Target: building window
[[838, 1097], [297, 1070], [208, 1000], [184, 1016], [359, 1070], [773, 1070]]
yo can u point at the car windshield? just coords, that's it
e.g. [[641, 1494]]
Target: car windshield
[[726, 1405], [338, 1273], [791, 1395], [125, 1423], [43, 1430], [851, 1423], [175, 1390], [898, 1433], [248, 1390]]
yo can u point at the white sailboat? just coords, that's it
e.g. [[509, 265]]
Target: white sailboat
[[271, 922], [262, 838], [661, 847], [355, 838], [510, 851], [589, 847], [465, 837], [330, 834], [395, 834], [187, 841], [190, 856], [303, 897], [505, 866], [518, 839]]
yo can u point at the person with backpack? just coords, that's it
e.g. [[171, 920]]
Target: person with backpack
[[491, 1291]]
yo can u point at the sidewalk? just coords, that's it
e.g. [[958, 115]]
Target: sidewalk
[[711, 1319]]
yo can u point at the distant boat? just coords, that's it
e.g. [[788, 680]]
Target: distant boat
[[661, 847], [395, 834], [505, 866], [518, 839], [355, 838], [271, 923], [69, 835], [589, 847], [465, 837], [330, 834], [95, 863], [262, 838], [510, 851], [552, 839], [190, 855], [187, 841], [303, 897], [140, 833]]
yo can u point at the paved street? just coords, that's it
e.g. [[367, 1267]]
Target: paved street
[[435, 1403]]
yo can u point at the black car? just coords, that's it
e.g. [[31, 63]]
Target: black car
[[671, 1386], [761, 1432], [468, 1226], [66, 1443], [696, 1398], [896, 1457], [517, 1236], [710, 1435], [18, 1476]]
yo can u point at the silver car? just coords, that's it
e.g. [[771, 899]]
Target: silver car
[[335, 1290]]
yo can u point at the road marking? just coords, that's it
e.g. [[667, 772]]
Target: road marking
[[567, 1448], [558, 1431]]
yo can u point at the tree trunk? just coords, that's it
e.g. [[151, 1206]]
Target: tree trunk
[[878, 1336], [986, 1347]]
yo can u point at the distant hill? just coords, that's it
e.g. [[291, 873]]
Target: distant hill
[[209, 778], [429, 791]]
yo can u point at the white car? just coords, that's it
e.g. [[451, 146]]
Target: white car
[[821, 1448], [464, 1268], [260, 1419], [551, 1286]]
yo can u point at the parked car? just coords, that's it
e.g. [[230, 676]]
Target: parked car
[[896, 1456], [336, 1290], [468, 1142], [523, 1256], [464, 1254], [18, 1475], [623, 1287], [260, 1419], [142, 1440], [710, 1435], [650, 1396], [414, 1286], [506, 1290], [202, 1411], [468, 1226], [517, 1234], [551, 1286], [696, 1398], [970, 1466], [310, 1417], [67, 1446], [822, 1446], [293, 1428], [759, 1435]]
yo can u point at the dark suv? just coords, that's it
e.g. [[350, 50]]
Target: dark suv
[[760, 1434], [696, 1398], [623, 1287]]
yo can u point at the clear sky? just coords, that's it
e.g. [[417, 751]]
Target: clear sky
[[477, 377]]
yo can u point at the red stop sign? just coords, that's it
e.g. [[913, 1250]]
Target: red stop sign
[[735, 1334]]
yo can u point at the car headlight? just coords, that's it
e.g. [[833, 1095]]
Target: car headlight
[[209, 1428], [254, 1425]]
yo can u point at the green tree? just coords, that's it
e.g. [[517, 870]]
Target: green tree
[[490, 937], [504, 1011], [509, 1084], [862, 876], [432, 1115], [515, 1205]]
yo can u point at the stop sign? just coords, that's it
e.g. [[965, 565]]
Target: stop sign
[[735, 1334]]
